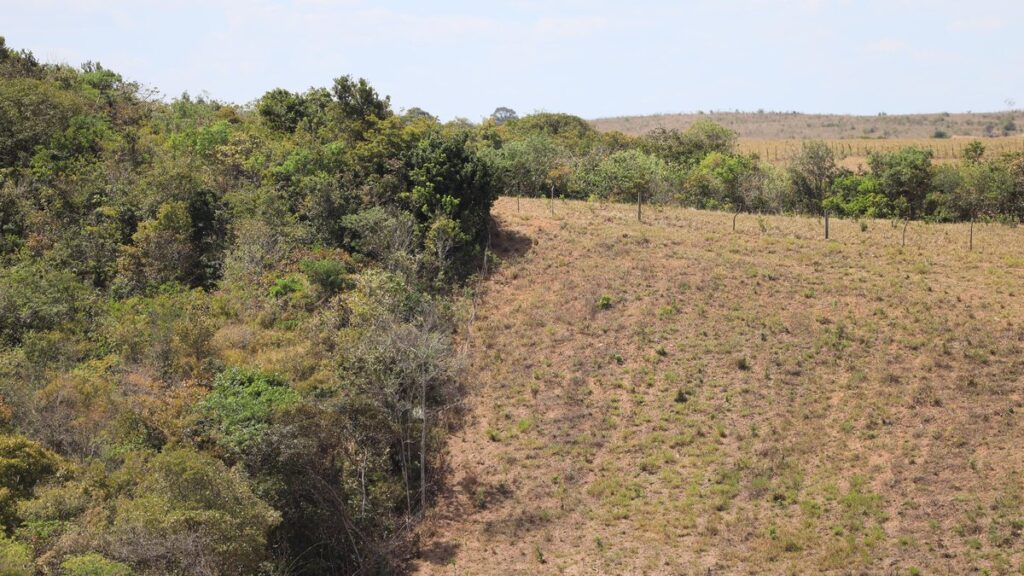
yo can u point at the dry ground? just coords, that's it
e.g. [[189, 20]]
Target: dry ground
[[676, 398]]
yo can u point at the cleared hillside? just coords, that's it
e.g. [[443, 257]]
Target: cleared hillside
[[793, 125], [676, 398]]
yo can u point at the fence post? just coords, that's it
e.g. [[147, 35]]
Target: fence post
[[970, 246], [826, 224], [904, 241], [735, 214], [639, 203]]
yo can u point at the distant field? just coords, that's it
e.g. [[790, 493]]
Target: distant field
[[777, 137], [854, 152], [677, 398], [780, 125]]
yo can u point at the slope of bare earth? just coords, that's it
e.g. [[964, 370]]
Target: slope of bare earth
[[792, 125], [674, 397]]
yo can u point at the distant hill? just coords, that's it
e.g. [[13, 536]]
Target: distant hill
[[792, 125]]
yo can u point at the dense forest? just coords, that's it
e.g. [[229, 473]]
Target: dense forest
[[228, 334]]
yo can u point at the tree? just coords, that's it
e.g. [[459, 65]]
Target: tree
[[813, 173], [689, 147], [630, 174], [281, 110], [358, 103], [187, 513], [973, 152], [502, 114], [904, 177], [524, 166], [23, 465]]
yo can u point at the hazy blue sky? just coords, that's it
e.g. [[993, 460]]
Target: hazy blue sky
[[592, 58]]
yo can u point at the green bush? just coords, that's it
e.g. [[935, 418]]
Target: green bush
[[23, 464], [285, 286], [238, 411], [93, 564], [15, 558], [187, 512], [329, 276]]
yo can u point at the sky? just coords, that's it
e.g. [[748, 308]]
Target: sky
[[593, 58]]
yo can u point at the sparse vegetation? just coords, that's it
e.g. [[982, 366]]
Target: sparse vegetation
[[816, 412]]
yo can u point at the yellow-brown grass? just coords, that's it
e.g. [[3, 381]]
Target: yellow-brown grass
[[853, 152], [674, 397]]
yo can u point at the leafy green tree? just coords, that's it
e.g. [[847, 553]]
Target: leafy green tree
[[690, 147], [721, 181], [35, 297], [973, 152], [187, 513], [503, 114], [23, 465], [358, 103], [525, 167], [904, 177], [813, 172], [630, 175]]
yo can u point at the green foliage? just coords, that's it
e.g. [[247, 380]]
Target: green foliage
[[238, 412], [525, 167], [627, 175], [36, 297], [904, 177], [329, 276], [973, 152], [23, 465], [813, 173], [187, 512], [690, 147], [285, 286], [93, 564], [15, 558]]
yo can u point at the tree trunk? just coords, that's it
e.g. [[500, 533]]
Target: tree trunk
[[905, 224], [423, 449]]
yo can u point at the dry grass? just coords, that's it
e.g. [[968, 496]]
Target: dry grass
[[676, 398], [853, 153]]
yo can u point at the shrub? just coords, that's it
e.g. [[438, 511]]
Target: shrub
[[15, 558], [188, 513], [285, 286], [93, 564], [238, 411], [329, 276], [23, 464], [604, 302]]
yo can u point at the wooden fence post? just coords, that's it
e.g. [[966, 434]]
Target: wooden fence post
[[904, 241], [826, 224], [970, 246]]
